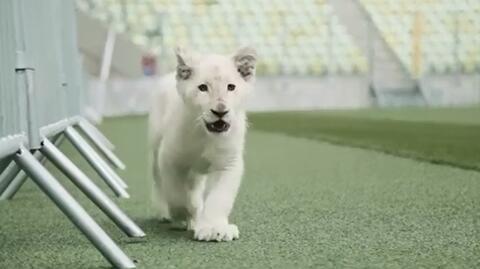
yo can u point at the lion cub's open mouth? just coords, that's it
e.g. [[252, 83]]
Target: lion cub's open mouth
[[218, 126]]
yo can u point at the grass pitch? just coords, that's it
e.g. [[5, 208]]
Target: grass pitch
[[304, 203], [427, 134]]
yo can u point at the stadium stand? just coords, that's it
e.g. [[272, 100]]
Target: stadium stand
[[293, 37], [450, 32]]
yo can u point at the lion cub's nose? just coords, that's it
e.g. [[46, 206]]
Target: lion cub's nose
[[220, 111], [221, 107], [219, 114]]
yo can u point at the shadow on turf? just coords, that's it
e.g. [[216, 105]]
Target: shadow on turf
[[156, 229]]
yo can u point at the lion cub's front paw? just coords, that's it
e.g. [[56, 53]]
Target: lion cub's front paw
[[222, 232]]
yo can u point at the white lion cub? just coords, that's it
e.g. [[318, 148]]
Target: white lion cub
[[197, 130]]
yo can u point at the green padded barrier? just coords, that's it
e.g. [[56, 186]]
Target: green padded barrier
[[42, 59], [71, 58], [43, 52], [12, 105]]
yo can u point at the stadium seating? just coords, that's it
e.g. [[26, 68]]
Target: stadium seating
[[450, 32], [292, 37], [302, 37]]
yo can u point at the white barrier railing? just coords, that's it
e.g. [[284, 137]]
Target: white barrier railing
[[41, 101]]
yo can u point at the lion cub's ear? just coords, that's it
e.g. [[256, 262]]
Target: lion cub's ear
[[245, 60], [184, 69]]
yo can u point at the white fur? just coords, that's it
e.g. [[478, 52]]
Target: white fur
[[197, 173]]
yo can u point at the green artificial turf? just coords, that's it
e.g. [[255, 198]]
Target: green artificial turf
[[430, 135], [303, 204], [459, 115]]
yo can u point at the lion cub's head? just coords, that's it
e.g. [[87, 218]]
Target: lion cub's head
[[215, 86]]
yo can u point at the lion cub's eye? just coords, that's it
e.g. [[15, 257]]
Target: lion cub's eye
[[203, 87], [231, 87]]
